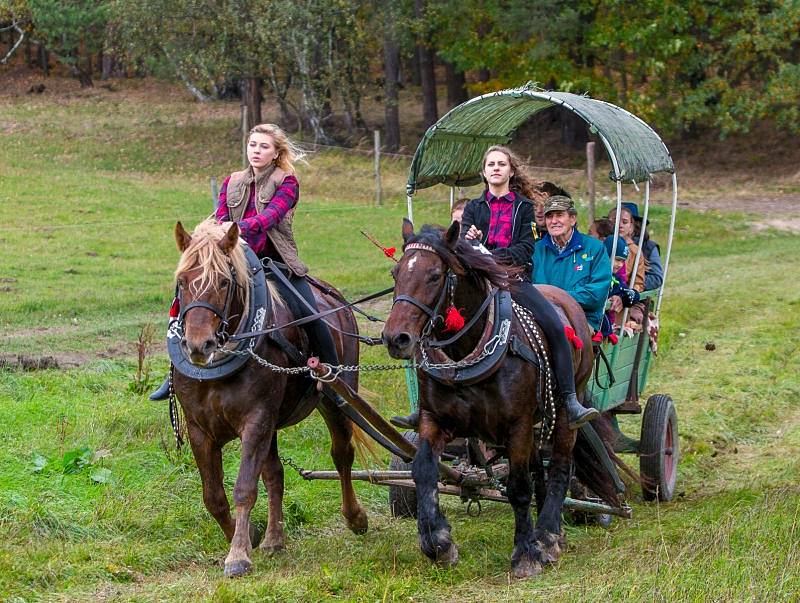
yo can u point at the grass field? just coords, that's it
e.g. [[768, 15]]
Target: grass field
[[95, 504]]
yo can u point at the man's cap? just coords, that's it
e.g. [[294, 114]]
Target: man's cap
[[559, 203], [622, 247]]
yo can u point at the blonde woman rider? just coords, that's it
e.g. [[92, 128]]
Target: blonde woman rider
[[261, 199]]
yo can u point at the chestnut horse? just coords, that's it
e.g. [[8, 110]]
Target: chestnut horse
[[501, 409], [253, 403]]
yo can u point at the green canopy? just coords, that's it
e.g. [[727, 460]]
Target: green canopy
[[452, 149]]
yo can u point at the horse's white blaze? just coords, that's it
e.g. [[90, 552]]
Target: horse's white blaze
[[411, 263]]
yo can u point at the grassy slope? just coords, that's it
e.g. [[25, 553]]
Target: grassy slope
[[125, 173]]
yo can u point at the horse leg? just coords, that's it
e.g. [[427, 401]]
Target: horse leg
[[539, 483], [434, 531], [255, 449], [525, 560], [208, 456], [272, 474], [343, 453], [548, 523]]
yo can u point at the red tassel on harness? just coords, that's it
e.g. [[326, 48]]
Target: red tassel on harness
[[576, 341], [453, 320], [597, 337], [613, 338], [175, 308], [389, 252]]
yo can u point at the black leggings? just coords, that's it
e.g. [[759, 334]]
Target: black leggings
[[546, 316], [319, 334]]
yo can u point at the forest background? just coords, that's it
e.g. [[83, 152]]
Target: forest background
[[687, 67]]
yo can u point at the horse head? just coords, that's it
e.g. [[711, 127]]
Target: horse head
[[212, 283], [421, 285]]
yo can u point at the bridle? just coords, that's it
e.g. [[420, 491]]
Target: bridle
[[221, 335], [434, 313]]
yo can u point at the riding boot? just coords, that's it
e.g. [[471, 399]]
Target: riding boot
[[162, 393], [577, 414], [408, 422]]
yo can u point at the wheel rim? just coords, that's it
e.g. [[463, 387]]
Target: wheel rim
[[669, 456]]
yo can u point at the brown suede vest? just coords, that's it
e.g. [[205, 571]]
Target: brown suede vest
[[280, 235]]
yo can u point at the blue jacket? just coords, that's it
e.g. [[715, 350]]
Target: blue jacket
[[583, 270]]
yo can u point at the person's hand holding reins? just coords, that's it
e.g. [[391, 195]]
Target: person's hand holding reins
[[473, 233]]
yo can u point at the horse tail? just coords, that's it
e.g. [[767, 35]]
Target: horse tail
[[366, 449], [592, 470]]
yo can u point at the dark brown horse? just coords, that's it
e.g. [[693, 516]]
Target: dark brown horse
[[500, 409], [256, 401]]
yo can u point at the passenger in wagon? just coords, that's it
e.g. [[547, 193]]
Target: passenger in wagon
[[649, 273], [620, 296], [261, 199], [654, 272], [457, 212], [572, 260], [502, 220]]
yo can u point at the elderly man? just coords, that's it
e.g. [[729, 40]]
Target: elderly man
[[571, 260]]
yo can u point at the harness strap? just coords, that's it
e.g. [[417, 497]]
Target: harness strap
[[598, 354], [468, 326], [315, 315]]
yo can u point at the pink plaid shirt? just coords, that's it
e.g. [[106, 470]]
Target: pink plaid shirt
[[253, 226], [502, 211]]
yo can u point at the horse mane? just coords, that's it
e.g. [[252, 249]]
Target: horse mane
[[465, 258], [205, 253]]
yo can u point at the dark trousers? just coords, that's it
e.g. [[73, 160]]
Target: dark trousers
[[319, 334], [546, 316]]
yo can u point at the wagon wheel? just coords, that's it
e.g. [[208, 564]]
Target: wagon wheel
[[658, 449], [403, 501]]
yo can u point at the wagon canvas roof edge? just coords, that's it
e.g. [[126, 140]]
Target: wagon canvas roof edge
[[451, 150]]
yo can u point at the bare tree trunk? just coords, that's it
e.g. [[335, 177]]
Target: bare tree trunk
[[107, 67], [430, 111], [281, 89], [391, 70], [251, 99], [456, 85]]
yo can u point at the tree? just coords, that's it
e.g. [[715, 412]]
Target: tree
[[72, 31], [430, 111], [391, 76]]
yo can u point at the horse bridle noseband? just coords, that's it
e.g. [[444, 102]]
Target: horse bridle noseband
[[222, 336], [434, 313]]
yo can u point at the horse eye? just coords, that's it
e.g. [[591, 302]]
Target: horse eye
[[224, 283], [434, 276]]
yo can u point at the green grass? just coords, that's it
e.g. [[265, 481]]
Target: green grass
[[91, 189]]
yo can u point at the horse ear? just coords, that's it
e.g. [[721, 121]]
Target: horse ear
[[452, 234], [408, 229], [182, 238], [230, 239]]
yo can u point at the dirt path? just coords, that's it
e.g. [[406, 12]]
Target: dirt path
[[781, 212]]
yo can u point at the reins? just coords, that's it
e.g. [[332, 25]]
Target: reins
[[274, 267]]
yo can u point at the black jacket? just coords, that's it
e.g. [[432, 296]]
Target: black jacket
[[520, 251]]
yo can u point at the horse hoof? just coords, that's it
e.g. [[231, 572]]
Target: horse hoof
[[526, 568], [358, 523], [271, 550], [549, 549], [237, 568], [448, 558]]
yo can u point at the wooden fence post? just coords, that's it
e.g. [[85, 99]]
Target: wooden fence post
[[214, 192], [377, 141], [590, 178]]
